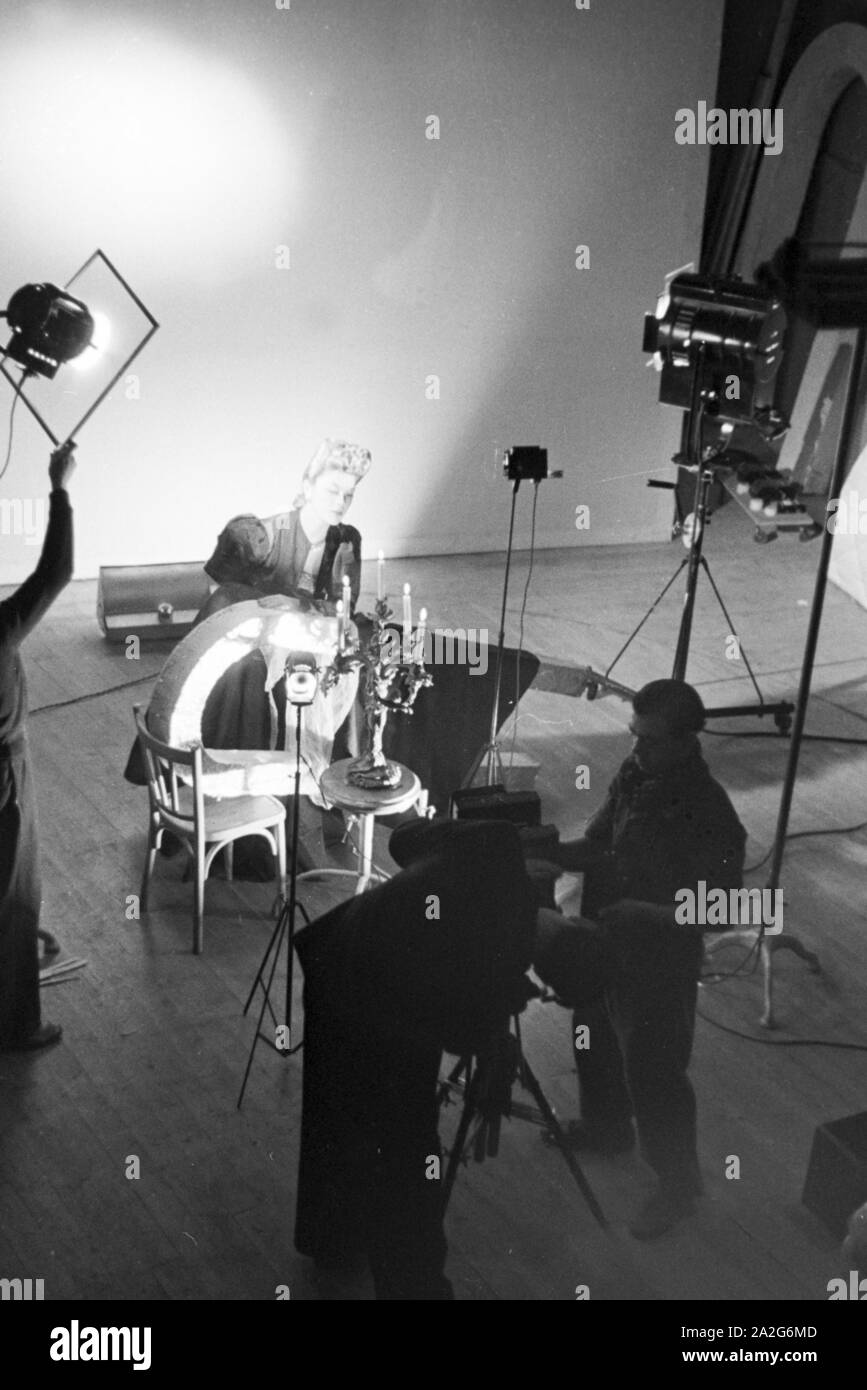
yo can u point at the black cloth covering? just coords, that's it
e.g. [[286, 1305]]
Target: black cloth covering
[[20, 884], [451, 720], [432, 960]]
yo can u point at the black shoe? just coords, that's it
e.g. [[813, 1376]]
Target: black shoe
[[584, 1137], [660, 1212], [43, 1036]]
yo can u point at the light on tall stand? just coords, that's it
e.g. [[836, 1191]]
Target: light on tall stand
[[301, 680], [832, 293], [520, 462], [718, 347]]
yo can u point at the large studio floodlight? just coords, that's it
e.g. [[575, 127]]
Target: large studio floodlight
[[729, 331], [49, 327]]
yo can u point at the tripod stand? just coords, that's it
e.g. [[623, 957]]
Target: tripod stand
[[490, 754], [284, 929], [487, 1097], [702, 462]]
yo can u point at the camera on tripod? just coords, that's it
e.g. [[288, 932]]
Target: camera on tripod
[[301, 678]]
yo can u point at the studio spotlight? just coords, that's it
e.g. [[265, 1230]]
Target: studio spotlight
[[731, 333], [49, 327]]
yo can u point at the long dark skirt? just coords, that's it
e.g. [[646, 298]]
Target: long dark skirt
[[368, 1133]]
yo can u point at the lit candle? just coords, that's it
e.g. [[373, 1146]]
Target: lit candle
[[340, 621], [420, 636], [380, 566], [407, 619], [347, 596]]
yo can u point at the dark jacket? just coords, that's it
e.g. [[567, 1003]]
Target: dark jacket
[[659, 834]]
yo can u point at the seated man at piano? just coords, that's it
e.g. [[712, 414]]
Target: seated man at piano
[[627, 967]]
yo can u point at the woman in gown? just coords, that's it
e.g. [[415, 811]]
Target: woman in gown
[[303, 553]]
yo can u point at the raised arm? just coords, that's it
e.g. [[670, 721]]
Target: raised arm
[[20, 613]]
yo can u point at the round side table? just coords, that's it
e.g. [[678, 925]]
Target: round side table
[[366, 803]]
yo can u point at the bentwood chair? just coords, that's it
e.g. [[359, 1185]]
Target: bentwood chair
[[203, 824]]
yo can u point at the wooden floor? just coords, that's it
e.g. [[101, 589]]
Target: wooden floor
[[155, 1045]]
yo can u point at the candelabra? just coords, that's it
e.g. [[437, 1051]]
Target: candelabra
[[393, 673]]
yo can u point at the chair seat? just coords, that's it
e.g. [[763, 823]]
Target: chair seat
[[206, 825], [231, 812]]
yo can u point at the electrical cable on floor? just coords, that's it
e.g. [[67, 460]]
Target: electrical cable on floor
[[95, 694], [782, 1042], [804, 834]]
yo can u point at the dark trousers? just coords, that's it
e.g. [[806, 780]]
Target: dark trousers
[[640, 1033], [20, 902]]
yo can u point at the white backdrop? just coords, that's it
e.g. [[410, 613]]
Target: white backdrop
[[431, 306]]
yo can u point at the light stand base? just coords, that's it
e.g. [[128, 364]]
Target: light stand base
[[752, 937]]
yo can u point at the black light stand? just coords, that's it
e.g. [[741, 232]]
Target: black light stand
[[841, 461], [833, 294], [285, 928], [702, 461], [490, 754], [487, 1097]]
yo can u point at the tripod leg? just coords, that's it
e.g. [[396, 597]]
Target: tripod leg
[[706, 567], [532, 1085], [466, 1120], [266, 998], [651, 610], [264, 962]]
